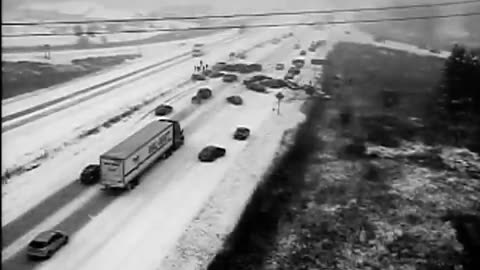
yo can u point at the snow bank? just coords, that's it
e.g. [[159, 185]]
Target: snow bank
[[206, 234]]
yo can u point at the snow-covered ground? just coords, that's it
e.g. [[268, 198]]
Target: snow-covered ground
[[365, 38], [64, 57], [207, 121], [85, 9], [151, 54], [68, 124], [151, 219], [170, 194]]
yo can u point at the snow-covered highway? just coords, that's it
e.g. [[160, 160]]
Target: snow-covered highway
[[176, 188]]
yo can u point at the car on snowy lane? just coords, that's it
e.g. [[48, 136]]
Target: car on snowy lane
[[90, 175], [45, 244], [211, 153], [241, 133]]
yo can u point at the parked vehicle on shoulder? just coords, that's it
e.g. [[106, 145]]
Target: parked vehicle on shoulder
[[211, 153], [90, 174], [241, 133], [45, 244]]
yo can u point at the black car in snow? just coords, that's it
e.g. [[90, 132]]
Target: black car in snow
[[211, 153], [241, 133], [230, 77], [90, 174], [163, 109]]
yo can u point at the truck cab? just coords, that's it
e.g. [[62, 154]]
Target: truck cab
[[178, 136]]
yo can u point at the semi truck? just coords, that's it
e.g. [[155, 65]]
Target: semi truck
[[121, 166]]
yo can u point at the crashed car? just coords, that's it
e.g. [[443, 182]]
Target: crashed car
[[273, 83], [211, 153], [196, 100], [216, 74], [235, 100], [219, 66], [292, 85], [256, 78], [241, 133], [241, 55], [90, 174], [163, 109], [204, 93], [279, 66], [257, 87], [289, 76], [207, 72], [198, 77], [230, 77], [255, 67], [294, 70]]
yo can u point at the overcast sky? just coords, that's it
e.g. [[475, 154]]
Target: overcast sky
[[217, 5]]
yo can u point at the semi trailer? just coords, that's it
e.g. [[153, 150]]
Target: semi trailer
[[121, 166]]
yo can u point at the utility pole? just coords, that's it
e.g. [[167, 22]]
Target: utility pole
[[279, 97]]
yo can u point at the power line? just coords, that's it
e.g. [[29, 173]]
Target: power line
[[150, 19], [252, 26]]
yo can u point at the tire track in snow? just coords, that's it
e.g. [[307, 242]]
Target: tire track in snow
[[81, 216]]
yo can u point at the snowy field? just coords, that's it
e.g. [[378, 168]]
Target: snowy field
[[64, 57], [151, 54], [85, 9]]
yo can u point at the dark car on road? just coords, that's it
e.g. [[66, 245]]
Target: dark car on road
[[257, 87], [289, 76], [256, 78], [303, 52], [163, 109], [46, 244], [90, 174], [204, 93], [255, 67], [198, 77], [219, 66], [216, 74], [235, 100], [211, 153], [230, 77], [241, 133]]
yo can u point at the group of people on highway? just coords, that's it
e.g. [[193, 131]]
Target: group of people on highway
[[200, 67]]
